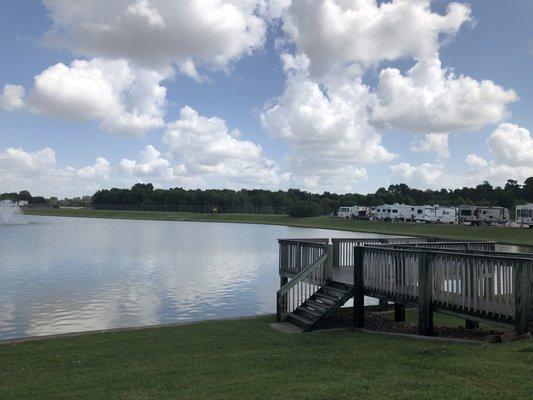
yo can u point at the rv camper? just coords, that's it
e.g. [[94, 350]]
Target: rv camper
[[363, 212], [481, 215], [355, 212], [394, 212], [345, 212], [524, 215], [436, 214]]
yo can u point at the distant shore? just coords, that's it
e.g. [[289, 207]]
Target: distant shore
[[504, 235]]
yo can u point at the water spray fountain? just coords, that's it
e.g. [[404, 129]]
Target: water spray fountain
[[10, 213]]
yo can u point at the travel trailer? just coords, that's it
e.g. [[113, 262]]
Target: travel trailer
[[481, 215], [355, 212], [346, 212], [436, 214], [524, 215], [394, 212]]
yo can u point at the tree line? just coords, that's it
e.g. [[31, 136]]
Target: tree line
[[143, 196]]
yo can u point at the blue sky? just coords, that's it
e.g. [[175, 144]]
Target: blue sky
[[266, 107]]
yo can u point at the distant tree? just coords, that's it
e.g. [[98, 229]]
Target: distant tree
[[304, 209], [24, 195], [527, 190], [37, 200]]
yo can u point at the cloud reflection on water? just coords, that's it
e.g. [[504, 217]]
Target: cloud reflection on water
[[61, 275]]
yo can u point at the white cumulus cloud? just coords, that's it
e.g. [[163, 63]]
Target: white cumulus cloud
[[430, 98], [421, 176], [38, 171], [157, 33], [204, 147], [12, 97], [326, 129], [335, 33], [433, 143], [120, 98], [150, 165], [511, 145]]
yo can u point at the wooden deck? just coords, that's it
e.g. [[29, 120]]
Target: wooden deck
[[467, 279]]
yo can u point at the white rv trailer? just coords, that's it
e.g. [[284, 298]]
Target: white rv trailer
[[394, 212], [480, 215], [436, 214], [346, 212], [524, 215], [355, 212]]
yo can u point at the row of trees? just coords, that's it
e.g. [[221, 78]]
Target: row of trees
[[143, 196], [37, 201]]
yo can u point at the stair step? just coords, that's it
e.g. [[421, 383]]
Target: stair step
[[321, 307], [323, 299], [327, 296], [339, 285], [299, 320], [306, 311], [332, 291]]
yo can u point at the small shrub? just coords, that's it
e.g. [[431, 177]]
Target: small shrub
[[304, 209]]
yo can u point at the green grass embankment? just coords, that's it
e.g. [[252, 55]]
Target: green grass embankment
[[246, 359], [498, 234]]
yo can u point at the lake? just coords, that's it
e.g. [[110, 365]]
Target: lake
[[60, 275]]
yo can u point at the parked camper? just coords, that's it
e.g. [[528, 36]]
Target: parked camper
[[363, 213], [524, 215], [344, 212], [479, 215], [380, 212], [394, 212], [354, 212], [436, 214]]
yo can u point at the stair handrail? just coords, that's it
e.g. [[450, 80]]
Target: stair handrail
[[281, 307], [302, 274]]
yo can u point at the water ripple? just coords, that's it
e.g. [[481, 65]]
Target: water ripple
[[61, 275]]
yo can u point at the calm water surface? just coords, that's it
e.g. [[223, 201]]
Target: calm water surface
[[62, 274]]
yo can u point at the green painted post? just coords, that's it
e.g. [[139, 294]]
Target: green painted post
[[359, 290], [425, 313], [522, 283]]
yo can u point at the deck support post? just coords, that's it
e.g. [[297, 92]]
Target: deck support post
[[399, 312], [335, 244], [280, 306], [523, 277], [283, 281], [425, 312], [469, 324], [328, 265], [359, 291], [383, 304]]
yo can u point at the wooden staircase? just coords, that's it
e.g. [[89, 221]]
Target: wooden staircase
[[320, 305]]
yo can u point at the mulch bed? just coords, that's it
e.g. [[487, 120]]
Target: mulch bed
[[380, 321]]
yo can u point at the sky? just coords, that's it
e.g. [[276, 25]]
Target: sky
[[332, 95]]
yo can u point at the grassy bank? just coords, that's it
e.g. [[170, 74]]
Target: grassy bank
[[498, 234], [248, 359]]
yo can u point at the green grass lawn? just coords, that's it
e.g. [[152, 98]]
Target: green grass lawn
[[498, 234], [247, 359]]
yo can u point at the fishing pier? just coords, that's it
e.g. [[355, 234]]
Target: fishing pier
[[467, 279]]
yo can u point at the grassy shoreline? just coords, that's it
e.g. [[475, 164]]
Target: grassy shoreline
[[245, 358], [504, 235]]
